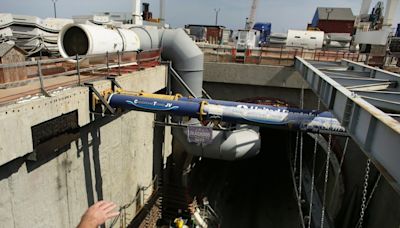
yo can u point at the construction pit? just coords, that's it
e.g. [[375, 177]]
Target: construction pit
[[66, 144]]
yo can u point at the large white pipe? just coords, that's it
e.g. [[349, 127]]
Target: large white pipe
[[241, 143], [137, 18], [187, 59], [85, 39], [390, 12], [162, 12]]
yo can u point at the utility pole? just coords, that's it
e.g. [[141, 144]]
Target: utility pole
[[216, 15], [55, 8]]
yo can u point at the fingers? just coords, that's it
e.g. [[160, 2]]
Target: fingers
[[112, 215], [105, 204], [109, 208], [100, 203]]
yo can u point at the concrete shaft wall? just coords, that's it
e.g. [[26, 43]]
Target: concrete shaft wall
[[106, 158], [237, 81], [251, 74], [230, 81]]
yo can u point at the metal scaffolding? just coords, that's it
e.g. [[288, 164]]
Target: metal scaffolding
[[366, 101]]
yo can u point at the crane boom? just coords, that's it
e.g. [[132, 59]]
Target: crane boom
[[252, 16]]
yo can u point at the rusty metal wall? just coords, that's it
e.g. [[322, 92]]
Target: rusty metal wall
[[334, 26]]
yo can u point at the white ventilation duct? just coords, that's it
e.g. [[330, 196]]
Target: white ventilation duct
[[85, 39], [244, 142], [162, 12], [137, 18]]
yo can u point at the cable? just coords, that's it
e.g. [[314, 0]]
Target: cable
[[313, 179], [313, 171], [340, 169], [328, 156], [124, 207], [301, 166]]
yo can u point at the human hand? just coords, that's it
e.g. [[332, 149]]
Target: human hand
[[98, 214]]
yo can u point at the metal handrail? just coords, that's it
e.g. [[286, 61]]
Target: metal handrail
[[79, 69], [73, 58], [285, 54]]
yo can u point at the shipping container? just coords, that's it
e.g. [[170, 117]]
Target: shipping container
[[305, 39]]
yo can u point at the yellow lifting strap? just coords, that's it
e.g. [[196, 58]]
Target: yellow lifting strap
[[150, 95], [201, 111]]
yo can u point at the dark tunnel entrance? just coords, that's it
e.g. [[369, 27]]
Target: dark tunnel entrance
[[256, 192]]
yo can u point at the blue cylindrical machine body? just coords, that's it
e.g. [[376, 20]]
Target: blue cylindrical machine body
[[253, 106], [228, 111], [145, 104]]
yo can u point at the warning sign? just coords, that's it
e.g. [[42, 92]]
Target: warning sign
[[199, 135]]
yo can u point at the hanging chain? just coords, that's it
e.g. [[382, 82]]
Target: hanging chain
[[312, 180], [326, 181], [371, 195], [364, 193]]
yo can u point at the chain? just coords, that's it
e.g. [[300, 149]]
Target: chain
[[312, 180], [371, 195], [364, 193], [326, 181]]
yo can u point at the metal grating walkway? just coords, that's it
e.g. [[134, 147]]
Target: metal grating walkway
[[366, 101]]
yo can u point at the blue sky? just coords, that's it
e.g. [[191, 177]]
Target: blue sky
[[284, 14]]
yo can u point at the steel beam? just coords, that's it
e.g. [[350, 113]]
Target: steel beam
[[376, 133], [346, 73], [350, 82], [374, 72], [382, 99]]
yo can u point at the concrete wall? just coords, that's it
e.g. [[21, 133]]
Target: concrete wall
[[251, 74], [235, 92], [229, 81], [106, 158]]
